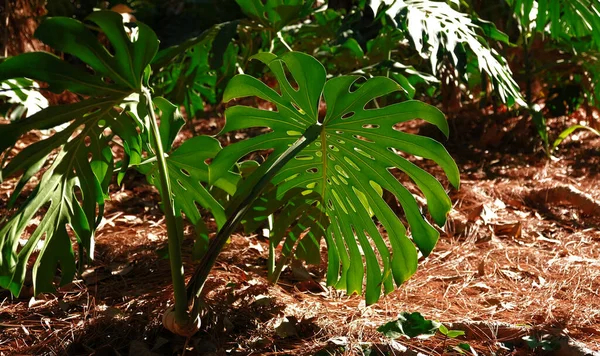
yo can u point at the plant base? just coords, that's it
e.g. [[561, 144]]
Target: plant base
[[187, 329]]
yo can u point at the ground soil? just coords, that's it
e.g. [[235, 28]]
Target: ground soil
[[518, 258]]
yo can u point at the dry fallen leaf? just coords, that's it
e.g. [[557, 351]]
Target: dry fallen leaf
[[508, 229], [475, 213]]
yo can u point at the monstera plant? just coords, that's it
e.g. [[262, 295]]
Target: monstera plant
[[327, 174], [116, 108], [324, 178]]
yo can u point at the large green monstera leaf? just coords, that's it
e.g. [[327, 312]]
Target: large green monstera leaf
[[348, 165], [78, 159]]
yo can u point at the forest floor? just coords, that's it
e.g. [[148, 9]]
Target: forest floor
[[519, 259]]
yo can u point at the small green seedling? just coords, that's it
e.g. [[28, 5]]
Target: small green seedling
[[414, 325]]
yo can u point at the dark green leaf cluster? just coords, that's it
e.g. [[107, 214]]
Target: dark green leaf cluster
[[404, 41], [195, 71], [77, 162], [409, 325]]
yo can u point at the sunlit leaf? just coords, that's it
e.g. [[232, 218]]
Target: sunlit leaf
[[347, 166], [19, 98], [434, 24]]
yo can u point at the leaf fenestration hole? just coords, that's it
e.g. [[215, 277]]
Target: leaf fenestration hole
[[181, 184], [362, 138], [400, 153], [361, 152], [383, 101], [370, 126], [289, 77], [351, 163], [312, 170], [357, 84], [339, 201], [341, 171], [78, 195], [185, 172], [381, 255], [291, 177], [92, 111], [348, 115], [273, 83], [300, 111], [350, 204], [330, 204]]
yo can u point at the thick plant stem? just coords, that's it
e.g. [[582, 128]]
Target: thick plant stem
[[194, 288], [181, 302]]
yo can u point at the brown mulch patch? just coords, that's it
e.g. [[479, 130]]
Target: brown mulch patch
[[519, 256]]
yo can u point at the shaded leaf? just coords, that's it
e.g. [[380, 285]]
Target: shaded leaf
[[75, 183], [275, 14], [187, 172]]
